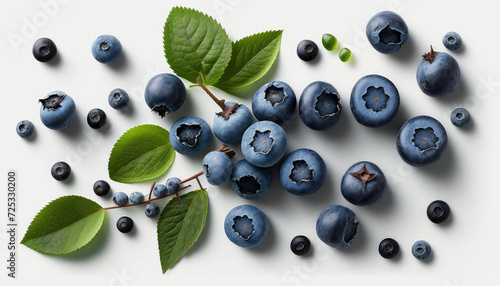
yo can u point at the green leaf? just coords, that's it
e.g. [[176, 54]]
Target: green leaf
[[142, 153], [180, 225], [195, 45], [252, 57], [64, 225]]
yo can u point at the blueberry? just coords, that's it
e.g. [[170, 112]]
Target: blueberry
[[460, 117], [388, 248], [159, 190], [263, 144], [452, 41], [421, 250], [136, 197], [190, 135], [307, 50], [106, 49], [336, 227], [152, 210], [231, 130], [374, 100], [217, 168], [172, 185], [125, 224], [363, 184], [120, 199], [25, 128], [274, 101], [57, 110], [438, 73], [165, 93], [300, 245], [60, 171], [118, 98], [422, 141], [319, 106], [101, 188], [387, 32], [96, 118], [302, 172], [246, 226], [44, 50], [249, 181], [438, 211]]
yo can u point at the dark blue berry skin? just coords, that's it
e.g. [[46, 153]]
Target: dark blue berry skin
[[460, 117], [438, 211], [152, 210], [125, 224], [101, 188], [159, 190], [263, 144], [363, 186], [246, 226], [120, 199], [57, 110], [307, 50], [231, 130], [300, 245], [274, 101], [302, 172], [387, 32], [249, 181], [136, 197], [172, 185], [374, 100], [190, 135], [421, 250], [319, 106], [44, 50], [388, 248], [165, 93], [217, 168], [25, 128], [422, 141], [60, 171], [438, 74], [452, 41], [106, 49], [118, 98], [96, 118], [336, 227]]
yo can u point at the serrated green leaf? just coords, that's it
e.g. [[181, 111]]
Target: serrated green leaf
[[195, 45], [180, 225], [251, 58], [64, 225], [142, 153]]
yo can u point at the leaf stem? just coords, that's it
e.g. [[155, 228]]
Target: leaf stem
[[218, 101], [191, 178], [148, 201]]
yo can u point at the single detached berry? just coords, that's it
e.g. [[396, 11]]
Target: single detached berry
[[118, 98], [136, 197], [363, 184], [452, 41], [159, 190], [165, 93], [106, 49], [319, 106], [344, 54], [152, 210], [336, 226], [44, 50], [387, 32], [307, 50], [125, 224], [217, 168], [25, 128], [329, 42], [189, 135], [300, 245], [460, 117], [438, 73], [120, 199], [421, 250], [60, 171], [264, 143], [274, 101], [172, 185], [57, 110], [96, 118], [438, 211], [249, 181], [388, 248], [246, 226], [101, 188]]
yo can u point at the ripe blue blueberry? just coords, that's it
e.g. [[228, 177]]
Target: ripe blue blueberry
[[264, 143], [120, 199], [438, 73], [307, 50], [190, 135], [336, 227], [57, 110], [217, 168], [152, 210], [374, 100], [460, 117], [60, 171], [302, 172], [388, 248], [172, 185], [421, 250], [165, 93], [452, 41], [249, 181], [101, 188], [96, 118], [319, 106], [300, 245], [118, 98], [438, 211], [274, 101], [387, 32], [246, 226], [25, 128], [159, 190], [363, 184], [229, 125], [44, 50], [125, 224], [106, 49], [422, 141], [136, 197]]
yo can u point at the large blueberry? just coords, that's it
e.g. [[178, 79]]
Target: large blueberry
[[263, 143], [249, 181], [217, 168], [165, 93], [319, 106], [336, 227], [422, 141], [230, 128], [57, 110], [374, 100], [387, 32], [274, 101], [438, 73], [302, 172], [363, 184], [189, 135], [246, 226], [106, 49]]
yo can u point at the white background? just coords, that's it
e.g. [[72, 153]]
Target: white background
[[465, 249]]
